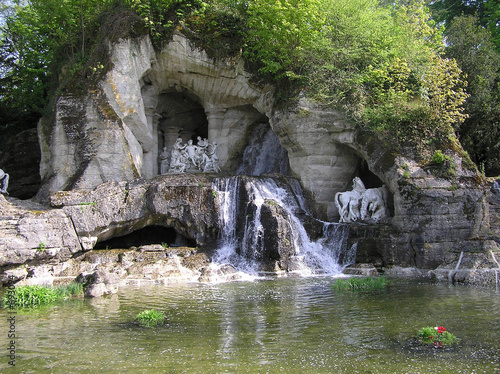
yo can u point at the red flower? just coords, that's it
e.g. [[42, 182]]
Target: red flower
[[441, 329]]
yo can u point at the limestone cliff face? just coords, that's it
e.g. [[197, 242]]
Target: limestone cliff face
[[114, 133], [149, 99]]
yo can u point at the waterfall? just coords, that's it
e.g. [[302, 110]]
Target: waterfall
[[241, 243], [264, 154]]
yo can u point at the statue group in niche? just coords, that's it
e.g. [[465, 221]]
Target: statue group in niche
[[362, 204], [4, 182], [185, 157]]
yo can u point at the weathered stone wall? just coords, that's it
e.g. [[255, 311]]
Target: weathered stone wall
[[32, 234], [111, 134], [185, 203]]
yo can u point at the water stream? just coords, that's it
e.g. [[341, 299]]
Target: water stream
[[242, 245]]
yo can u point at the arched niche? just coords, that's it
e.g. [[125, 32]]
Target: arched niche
[[148, 235], [179, 115]]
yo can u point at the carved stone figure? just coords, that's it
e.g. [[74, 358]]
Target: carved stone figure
[[164, 161], [179, 164], [176, 153], [373, 204], [348, 202], [191, 152], [4, 182], [202, 156], [213, 164], [202, 143], [361, 204]]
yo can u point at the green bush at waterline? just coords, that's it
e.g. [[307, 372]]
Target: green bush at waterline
[[33, 296], [360, 284], [150, 318]]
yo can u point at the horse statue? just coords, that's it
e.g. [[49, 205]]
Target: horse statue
[[4, 182], [348, 202], [373, 204]]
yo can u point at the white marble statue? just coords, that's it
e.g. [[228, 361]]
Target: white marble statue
[[213, 164], [361, 204], [373, 204], [4, 182], [348, 202], [191, 152], [202, 143], [188, 157], [164, 161], [176, 153]]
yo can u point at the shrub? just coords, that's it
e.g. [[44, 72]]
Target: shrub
[[150, 318], [438, 157], [360, 284], [437, 336]]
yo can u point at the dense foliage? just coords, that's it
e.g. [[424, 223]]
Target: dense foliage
[[472, 46], [383, 63]]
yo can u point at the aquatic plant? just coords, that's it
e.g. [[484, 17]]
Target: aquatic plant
[[33, 296], [437, 336], [360, 284], [150, 318]]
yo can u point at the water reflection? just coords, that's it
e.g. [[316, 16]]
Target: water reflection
[[284, 325]]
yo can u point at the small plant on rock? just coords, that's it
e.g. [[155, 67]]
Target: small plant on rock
[[150, 318], [437, 336]]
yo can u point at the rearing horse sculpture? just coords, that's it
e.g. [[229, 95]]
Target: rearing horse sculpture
[[348, 202]]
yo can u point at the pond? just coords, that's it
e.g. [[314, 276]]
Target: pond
[[284, 325]]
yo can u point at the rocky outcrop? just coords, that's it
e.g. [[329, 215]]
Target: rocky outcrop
[[278, 237], [184, 203], [99, 170], [79, 219], [317, 140], [31, 235], [146, 101]]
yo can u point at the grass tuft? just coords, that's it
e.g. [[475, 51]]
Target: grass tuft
[[150, 318], [360, 284], [33, 296]]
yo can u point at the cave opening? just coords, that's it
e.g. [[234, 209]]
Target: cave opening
[[149, 235]]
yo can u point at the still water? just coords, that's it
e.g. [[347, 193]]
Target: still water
[[269, 326]]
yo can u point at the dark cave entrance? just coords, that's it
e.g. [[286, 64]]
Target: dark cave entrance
[[148, 235]]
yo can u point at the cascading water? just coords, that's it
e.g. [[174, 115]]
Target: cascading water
[[247, 240], [242, 239], [264, 154]]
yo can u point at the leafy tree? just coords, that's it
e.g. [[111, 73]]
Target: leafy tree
[[33, 31], [487, 11], [472, 46], [381, 64]]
